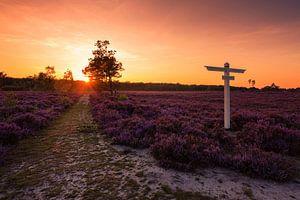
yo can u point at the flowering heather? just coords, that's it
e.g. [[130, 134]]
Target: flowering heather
[[254, 162], [24, 113], [10, 133], [3, 151], [184, 130]]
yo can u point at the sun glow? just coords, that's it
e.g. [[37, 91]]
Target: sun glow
[[86, 79], [78, 75]]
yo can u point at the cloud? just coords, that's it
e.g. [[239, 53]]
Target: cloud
[[121, 54], [13, 38]]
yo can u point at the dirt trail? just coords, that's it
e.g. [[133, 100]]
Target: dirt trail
[[71, 160]]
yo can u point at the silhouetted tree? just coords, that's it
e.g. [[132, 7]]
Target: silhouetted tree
[[2, 79], [30, 82], [68, 75], [249, 81], [104, 67], [272, 87], [253, 83], [45, 80], [50, 72], [68, 79]]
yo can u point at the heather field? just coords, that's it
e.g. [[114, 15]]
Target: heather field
[[26, 113], [149, 145], [184, 130]]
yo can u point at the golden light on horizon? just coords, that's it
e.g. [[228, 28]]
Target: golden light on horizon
[[157, 41]]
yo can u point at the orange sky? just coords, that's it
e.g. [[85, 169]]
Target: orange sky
[[157, 41]]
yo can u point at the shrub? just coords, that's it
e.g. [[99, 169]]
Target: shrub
[[122, 97], [168, 124], [135, 132], [268, 165], [269, 137], [185, 152], [66, 102], [238, 120], [288, 121], [30, 121], [10, 100], [3, 151], [10, 133]]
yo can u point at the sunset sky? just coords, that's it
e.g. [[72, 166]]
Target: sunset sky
[[157, 40]]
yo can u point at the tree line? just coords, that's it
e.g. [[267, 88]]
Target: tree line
[[43, 81], [103, 71]]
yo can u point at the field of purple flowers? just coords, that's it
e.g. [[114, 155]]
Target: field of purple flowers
[[24, 113], [184, 130]]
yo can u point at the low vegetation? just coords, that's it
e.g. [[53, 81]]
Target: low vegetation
[[25, 113], [185, 130]]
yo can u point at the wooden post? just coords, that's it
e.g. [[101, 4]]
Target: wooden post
[[227, 78], [226, 97]]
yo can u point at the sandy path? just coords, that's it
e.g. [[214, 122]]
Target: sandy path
[[71, 160]]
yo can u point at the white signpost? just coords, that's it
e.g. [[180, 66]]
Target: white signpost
[[227, 78]]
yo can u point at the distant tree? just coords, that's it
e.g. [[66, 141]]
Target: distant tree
[[2, 78], [3, 75], [249, 81], [68, 75], [272, 87], [253, 83], [104, 67], [50, 72], [68, 78], [45, 80], [30, 82]]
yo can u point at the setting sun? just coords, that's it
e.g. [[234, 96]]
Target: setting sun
[[78, 75], [86, 79]]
